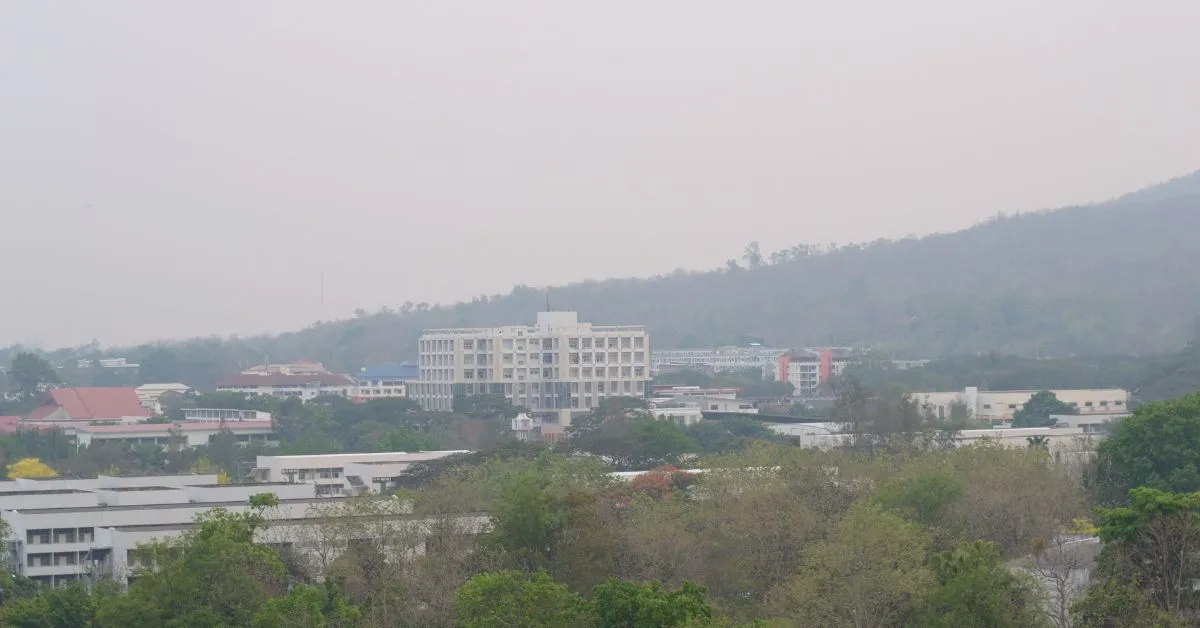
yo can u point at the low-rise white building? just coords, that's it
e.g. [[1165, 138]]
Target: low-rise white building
[[71, 530], [999, 406], [717, 359], [306, 387], [343, 474], [150, 394], [217, 415], [188, 433]]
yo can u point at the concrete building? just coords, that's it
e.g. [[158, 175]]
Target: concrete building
[[685, 392], [806, 370], [71, 530], [717, 359], [554, 368], [999, 406], [678, 411], [306, 386], [219, 415], [384, 381], [185, 434], [343, 474], [302, 367], [1089, 423], [150, 394]]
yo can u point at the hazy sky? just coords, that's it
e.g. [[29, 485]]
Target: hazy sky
[[171, 169]]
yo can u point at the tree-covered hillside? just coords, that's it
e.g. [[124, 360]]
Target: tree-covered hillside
[[1114, 278]]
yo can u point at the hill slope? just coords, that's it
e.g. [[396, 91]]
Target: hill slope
[[1114, 278]]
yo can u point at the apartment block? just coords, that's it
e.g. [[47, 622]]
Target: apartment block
[[556, 367]]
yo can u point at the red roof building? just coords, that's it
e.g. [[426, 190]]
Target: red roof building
[[91, 404]]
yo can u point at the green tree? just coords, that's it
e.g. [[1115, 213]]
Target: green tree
[[1113, 604], [526, 519], [975, 589], [620, 604], [322, 606], [634, 444], [62, 607], [512, 598], [215, 575], [1036, 412], [1158, 446], [30, 375], [925, 498], [871, 572], [1155, 542]]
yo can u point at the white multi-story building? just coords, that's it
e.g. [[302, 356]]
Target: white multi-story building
[[806, 370], [185, 433], [306, 387], [717, 359], [343, 474], [999, 406], [71, 530], [557, 366]]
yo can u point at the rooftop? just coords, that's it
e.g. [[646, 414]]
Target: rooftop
[[390, 370], [95, 403], [282, 380], [158, 428], [200, 505]]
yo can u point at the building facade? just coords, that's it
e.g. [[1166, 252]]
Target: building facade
[[343, 474], [558, 366], [806, 370], [717, 359], [306, 387], [64, 531], [999, 406], [384, 381]]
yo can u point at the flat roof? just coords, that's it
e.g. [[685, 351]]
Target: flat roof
[[368, 456], [154, 527], [140, 488], [44, 491], [205, 505]]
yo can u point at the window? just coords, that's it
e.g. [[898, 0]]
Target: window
[[547, 373], [573, 343], [639, 357], [508, 344], [1118, 403], [639, 371], [508, 373], [613, 371], [1012, 406], [587, 372], [599, 357], [599, 387], [626, 357], [573, 373], [587, 358], [987, 406], [587, 387], [626, 342], [547, 358], [1103, 403], [469, 359], [586, 343], [468, 345], [612, 343], [469, 374], [574, 358], [1087, 403], [612, 357]]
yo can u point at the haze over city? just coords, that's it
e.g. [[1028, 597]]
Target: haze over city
[[172, 169]]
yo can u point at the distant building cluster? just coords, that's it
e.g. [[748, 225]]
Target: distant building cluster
[[999, 406]]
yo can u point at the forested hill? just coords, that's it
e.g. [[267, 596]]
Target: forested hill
[[1119, 277], [1114, 278]]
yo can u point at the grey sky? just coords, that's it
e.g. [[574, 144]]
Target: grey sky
[[170, 169]]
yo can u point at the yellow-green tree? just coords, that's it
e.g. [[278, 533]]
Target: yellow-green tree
[[30, 468]]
